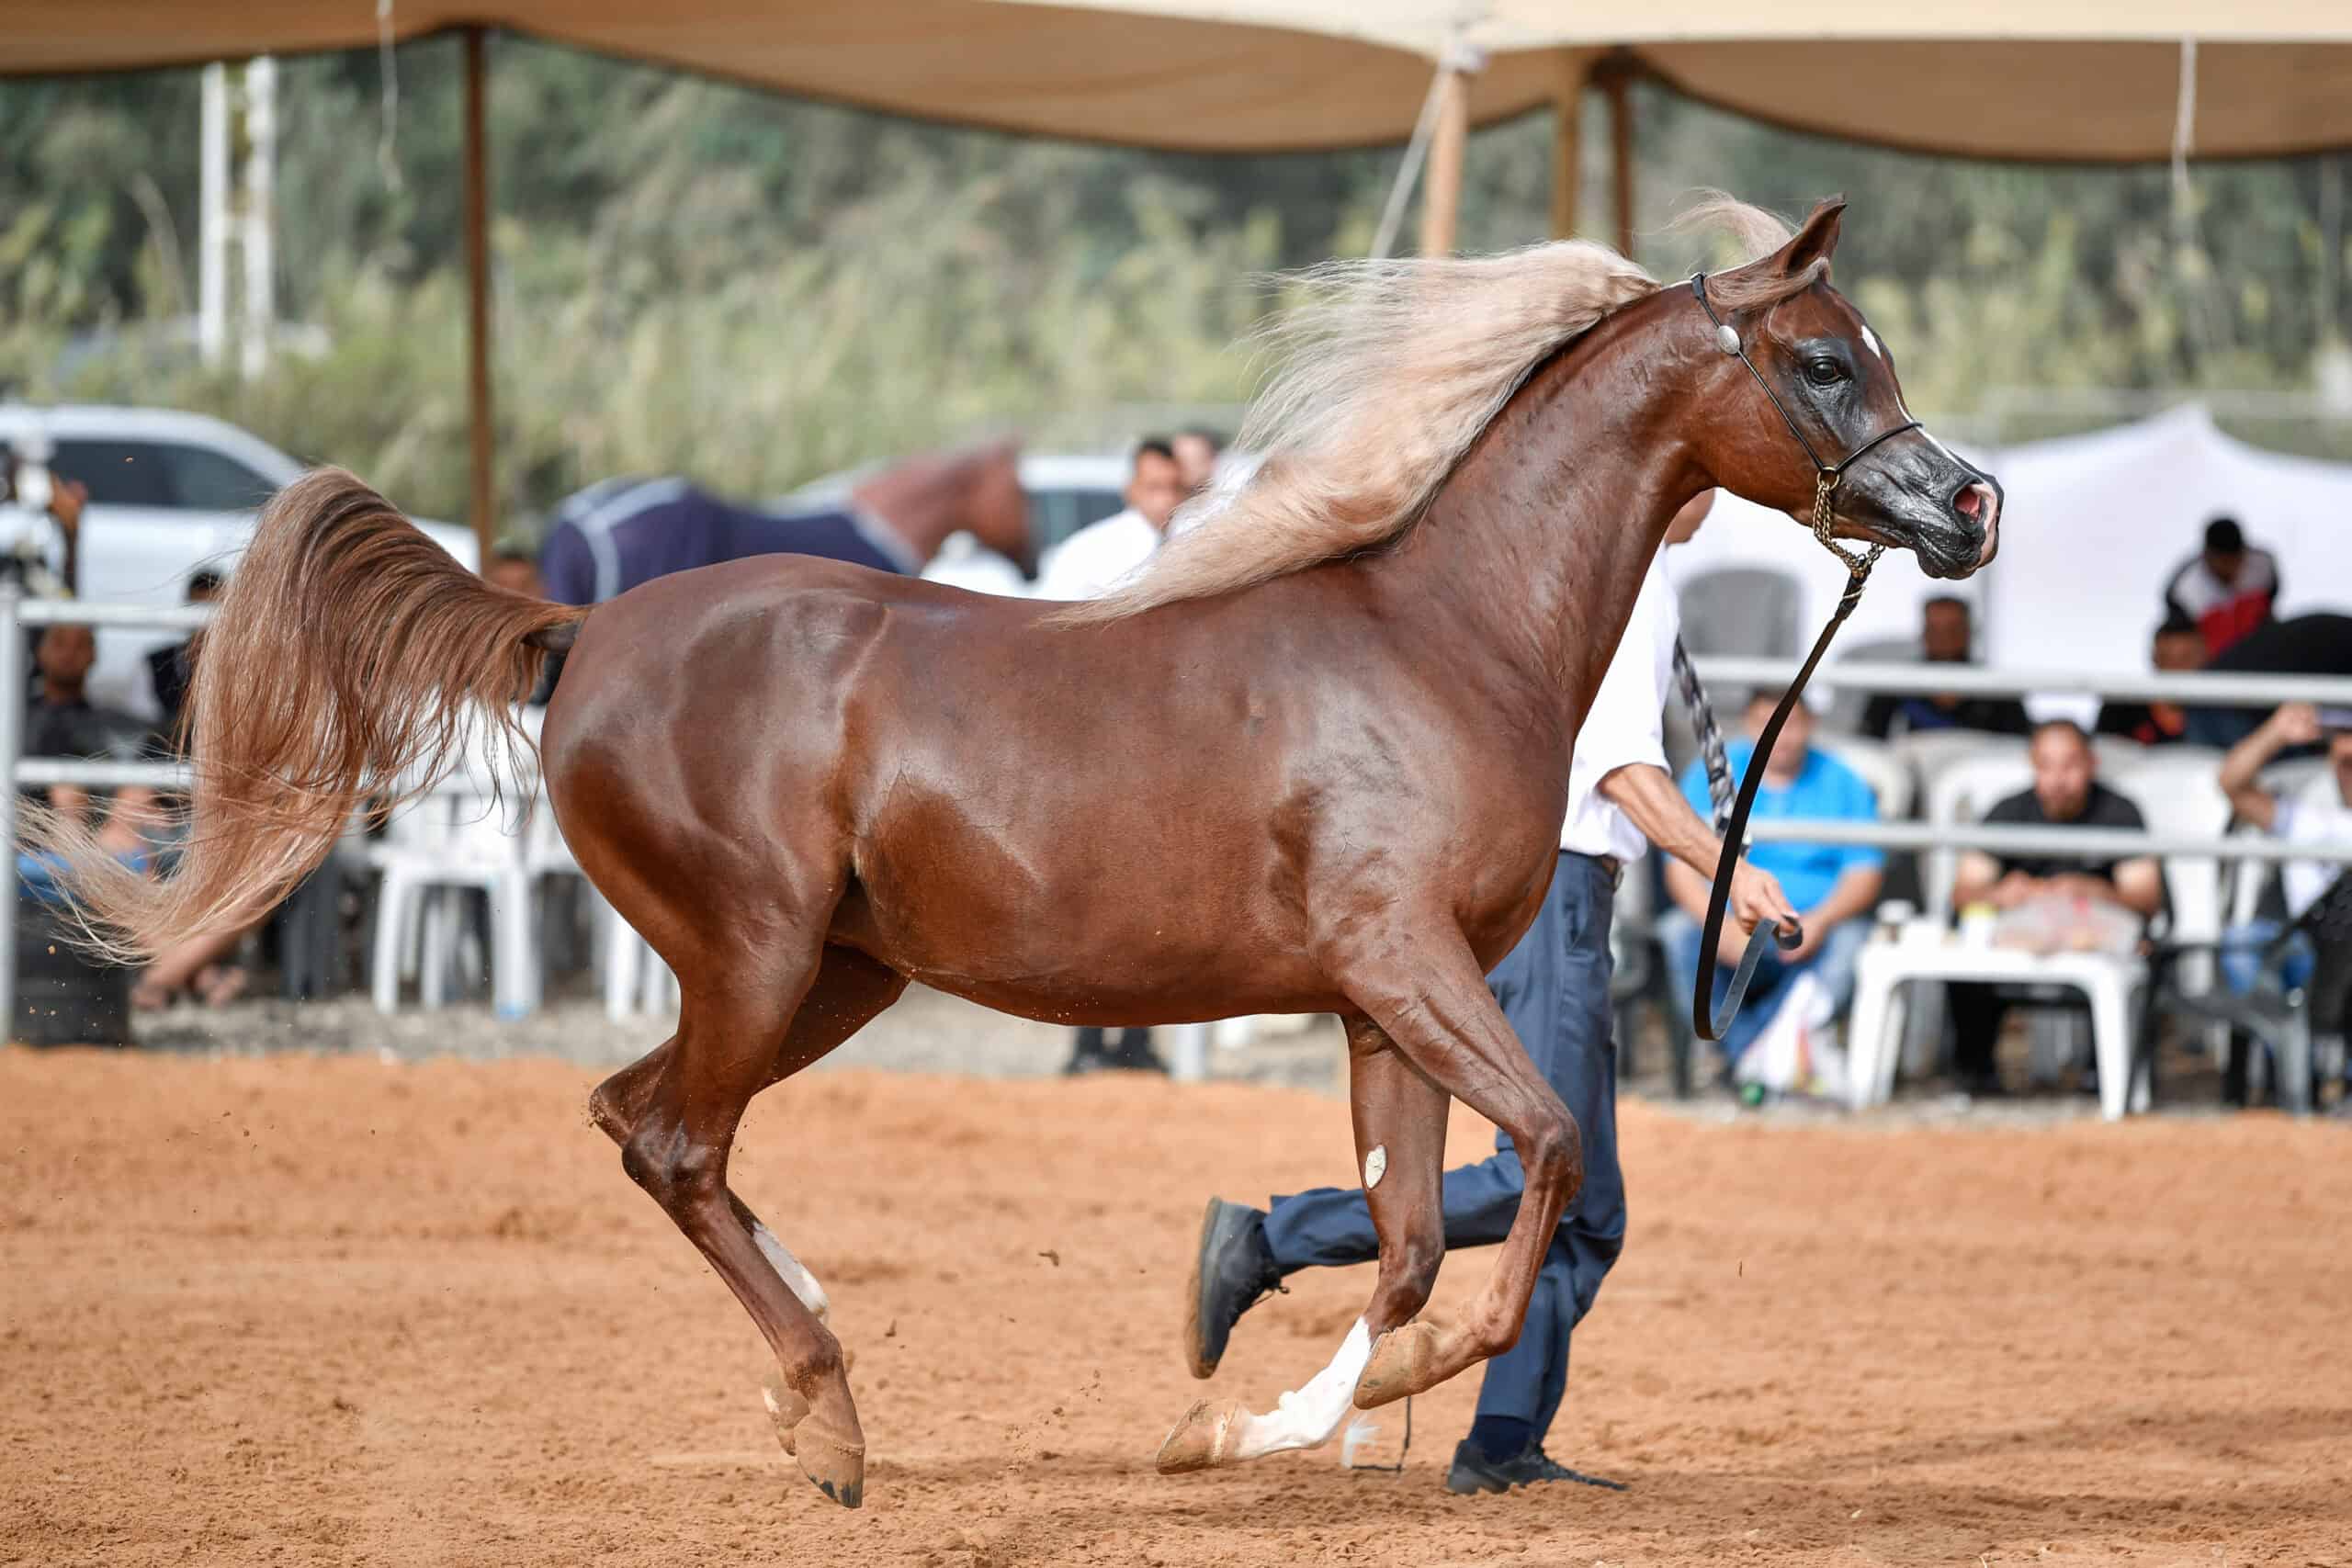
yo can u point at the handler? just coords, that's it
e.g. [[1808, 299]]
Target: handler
[[1554, 987]]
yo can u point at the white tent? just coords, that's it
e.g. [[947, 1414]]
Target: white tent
[[2095, 525], [2098, 523]]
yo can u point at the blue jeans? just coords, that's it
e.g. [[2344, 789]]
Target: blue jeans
[[1832, 964], [2241, 949], [1554, 987]]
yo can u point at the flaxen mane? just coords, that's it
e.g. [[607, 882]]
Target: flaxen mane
[[1389, 369]]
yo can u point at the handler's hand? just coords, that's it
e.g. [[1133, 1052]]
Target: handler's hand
[[1756, 899]]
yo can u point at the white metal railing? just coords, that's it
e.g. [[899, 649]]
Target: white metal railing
[[2196, 689], [18, 613], [2121, 843]]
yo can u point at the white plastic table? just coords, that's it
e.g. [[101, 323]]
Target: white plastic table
[[2111, 983]]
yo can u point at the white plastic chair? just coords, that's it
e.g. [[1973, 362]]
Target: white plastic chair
[[451, 841], [1878, 766]]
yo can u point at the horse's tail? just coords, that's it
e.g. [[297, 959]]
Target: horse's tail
[[351, 657]]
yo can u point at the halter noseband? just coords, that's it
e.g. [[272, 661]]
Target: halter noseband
[[1825, 475]]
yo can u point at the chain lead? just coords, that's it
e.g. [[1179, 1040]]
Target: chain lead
[[1825, 481]]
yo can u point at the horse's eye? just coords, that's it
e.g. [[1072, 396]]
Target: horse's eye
[[1823, 371]]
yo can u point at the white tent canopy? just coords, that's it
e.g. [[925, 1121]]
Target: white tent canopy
[[2096, 524], [2044, 79]]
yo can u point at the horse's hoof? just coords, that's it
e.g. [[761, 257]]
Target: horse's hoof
[[1403, 1363], [1202, 1437], [786, 1408], [836, 1463]]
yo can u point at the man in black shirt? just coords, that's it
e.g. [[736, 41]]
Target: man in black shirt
[[2066, 793], [1947, 635], [60, 720]]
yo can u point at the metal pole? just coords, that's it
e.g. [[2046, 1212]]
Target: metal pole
[[213, 217], [1995, 838], [2188, 688], [1618, 82], [260, 214], [478, 387], [1567, 147], [1441, 195], [12, 745]]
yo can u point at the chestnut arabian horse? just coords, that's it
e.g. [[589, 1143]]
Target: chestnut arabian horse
[[1314, 758]]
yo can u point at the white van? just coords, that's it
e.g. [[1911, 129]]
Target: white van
[[170, 492]]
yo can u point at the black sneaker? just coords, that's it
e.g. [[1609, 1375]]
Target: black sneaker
[[1474, 1472], [1232, 1273]]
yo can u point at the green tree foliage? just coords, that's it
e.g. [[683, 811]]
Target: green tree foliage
[[692, 276]]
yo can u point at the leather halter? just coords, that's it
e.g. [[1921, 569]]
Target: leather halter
[[1711, 1024]]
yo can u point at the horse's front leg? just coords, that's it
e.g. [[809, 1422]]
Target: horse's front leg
[[1401, 1150], [1426, 993]]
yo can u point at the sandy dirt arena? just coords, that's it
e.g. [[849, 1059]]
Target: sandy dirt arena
[[330, 1310]]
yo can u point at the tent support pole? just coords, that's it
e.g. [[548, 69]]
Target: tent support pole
[[479, 412], [1441, 197], [1567, 147], [1617, 80]]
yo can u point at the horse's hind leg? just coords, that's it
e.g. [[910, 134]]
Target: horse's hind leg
[[1399, 1120], [675, 1115]]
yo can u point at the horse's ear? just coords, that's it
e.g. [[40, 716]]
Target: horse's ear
[[1816, 240]]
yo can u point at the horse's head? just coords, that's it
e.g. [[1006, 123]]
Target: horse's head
[[995, 507], [1840, 418], [975, 490]]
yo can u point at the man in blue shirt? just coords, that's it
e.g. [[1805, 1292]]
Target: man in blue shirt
[[1829, 884]]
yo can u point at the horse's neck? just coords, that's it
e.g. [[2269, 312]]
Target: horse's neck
[[1537, 545], [920, 503]]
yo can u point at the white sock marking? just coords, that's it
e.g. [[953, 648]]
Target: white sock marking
[[796, 1278], [1313, 1416]]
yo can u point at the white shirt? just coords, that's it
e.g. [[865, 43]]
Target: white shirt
[[1097, 558], [1627, 723], [964, 562], [2315, 815]]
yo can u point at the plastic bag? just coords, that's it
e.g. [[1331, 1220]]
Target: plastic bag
[[2068, 923], [1798, 1053]]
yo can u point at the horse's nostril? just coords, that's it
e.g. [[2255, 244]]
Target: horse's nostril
[[1969, 500]]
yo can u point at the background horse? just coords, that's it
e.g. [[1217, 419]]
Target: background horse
[[1313, 760], [623, 533]]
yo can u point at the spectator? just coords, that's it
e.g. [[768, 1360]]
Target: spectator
[[1101, 555], [29, 493], [2082, 893], [1947, 635], [2179, 647], [2225, 589], [168, 668], [62, 721], [2300, 645], [2319, 814], [516, 570], [1828, 885], [1197, 451]]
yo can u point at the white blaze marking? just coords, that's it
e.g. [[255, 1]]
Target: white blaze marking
[[1376, 1165], [796, 1278], [1870, 341], [1313, 1416]]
